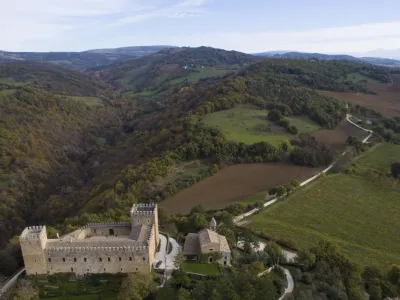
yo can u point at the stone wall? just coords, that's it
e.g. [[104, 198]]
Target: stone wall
[[225, 258], [33, 241], [98, 260]]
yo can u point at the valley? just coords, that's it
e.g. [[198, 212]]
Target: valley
[[207, 133]]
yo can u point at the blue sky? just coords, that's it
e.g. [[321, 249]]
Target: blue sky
[[250, 26]]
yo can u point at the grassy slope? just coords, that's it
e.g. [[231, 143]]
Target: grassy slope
[[357, 77], [240, 124], [361, 215]]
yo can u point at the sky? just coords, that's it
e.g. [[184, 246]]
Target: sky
[[327, 26]]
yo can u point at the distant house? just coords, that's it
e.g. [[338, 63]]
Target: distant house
[[207, 241], [368, 122]]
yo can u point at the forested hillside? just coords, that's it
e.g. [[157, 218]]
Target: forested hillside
[[175, 65], [51, 78], [64, 163]]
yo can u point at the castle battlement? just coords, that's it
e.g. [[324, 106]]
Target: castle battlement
[[143, 209], [111, 247], [32, 233], [97, 249]]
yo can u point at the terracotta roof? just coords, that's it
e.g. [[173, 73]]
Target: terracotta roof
[[192, 245]]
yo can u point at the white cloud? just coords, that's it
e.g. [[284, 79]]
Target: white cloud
[[187, 8]]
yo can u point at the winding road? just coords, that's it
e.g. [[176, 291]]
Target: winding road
[[239, 219]]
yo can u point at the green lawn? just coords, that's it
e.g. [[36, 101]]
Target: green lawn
[[242, 124], [304, 124], [198, 268], [91, 101], [358, 212]]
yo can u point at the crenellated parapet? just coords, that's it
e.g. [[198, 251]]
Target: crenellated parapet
[[143, 209], [33, 233], [97, 249]]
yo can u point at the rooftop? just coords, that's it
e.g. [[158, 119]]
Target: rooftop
[[192, 245]]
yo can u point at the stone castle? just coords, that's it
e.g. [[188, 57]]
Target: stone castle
[[95, 248]]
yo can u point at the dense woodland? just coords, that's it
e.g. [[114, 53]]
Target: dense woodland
[[63, 163]]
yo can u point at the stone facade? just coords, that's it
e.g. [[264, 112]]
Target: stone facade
[[204, 242], [95, 248]]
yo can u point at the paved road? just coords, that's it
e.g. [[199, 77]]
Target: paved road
[[289, 255], [290, 285], [160, 255], [239, 219], [170, 258]]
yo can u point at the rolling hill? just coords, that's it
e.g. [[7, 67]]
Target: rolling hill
[[64, 163], [51, 78], [97, 58], [157, 72], [320, 56]]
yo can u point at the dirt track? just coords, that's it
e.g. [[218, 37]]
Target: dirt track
[[235, 183]]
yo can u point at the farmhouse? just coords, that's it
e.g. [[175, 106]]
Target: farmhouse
[[95, 248], [206, 242]]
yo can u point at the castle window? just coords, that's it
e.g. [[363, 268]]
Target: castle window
[[120, 259], [100, 259], [109, 259], [85, 260], [148, 221], [49, 259], [144, 258], [138, 221], [130, 258], [72, 269], [111, 231], [63, 259], [74, 259]]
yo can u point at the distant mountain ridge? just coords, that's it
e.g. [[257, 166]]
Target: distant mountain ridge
[[321, 56], [82, 60]]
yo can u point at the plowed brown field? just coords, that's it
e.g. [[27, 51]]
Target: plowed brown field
[[233, 184], [336, 138], [387, 102]]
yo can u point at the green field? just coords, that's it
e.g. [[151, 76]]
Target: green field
[[256, 198], [357, 77], [91, 101], [198, 268], [359, 213], [304, 124], [241, 124], [11, 81], [200, 74]]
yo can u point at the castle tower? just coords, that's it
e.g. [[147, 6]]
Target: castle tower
[[145, 214], [33, 242]]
